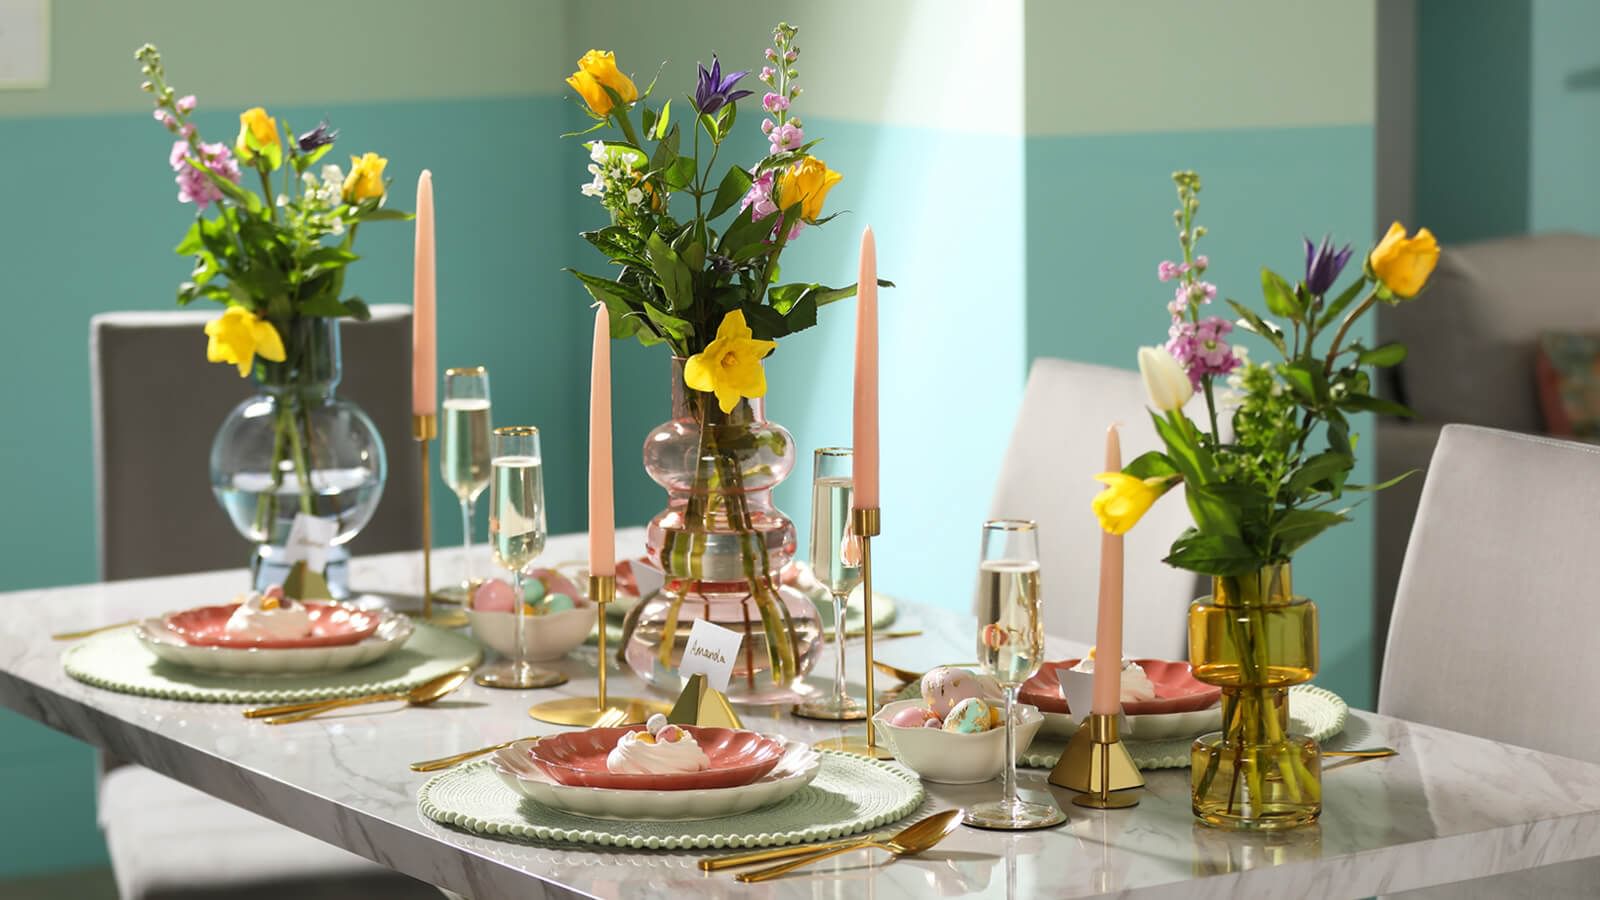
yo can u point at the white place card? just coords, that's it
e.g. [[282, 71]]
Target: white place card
[[710, 652], [310, 538]]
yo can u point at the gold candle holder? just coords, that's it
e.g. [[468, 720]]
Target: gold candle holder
[[424, 428], [1098, 766], [867, 524], [583, 712]]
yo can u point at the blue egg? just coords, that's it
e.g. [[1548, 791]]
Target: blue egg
[[557, 603]]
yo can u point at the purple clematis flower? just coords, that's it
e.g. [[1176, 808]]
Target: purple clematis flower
[[319, 136], [1323, 265], [713, 91]]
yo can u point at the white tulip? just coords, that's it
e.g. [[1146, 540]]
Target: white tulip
[[1164, 379]]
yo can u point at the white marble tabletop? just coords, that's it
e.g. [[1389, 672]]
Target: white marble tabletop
[[1450, 807]]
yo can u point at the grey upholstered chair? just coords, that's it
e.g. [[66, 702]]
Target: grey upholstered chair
[[157, 403], [1057, 447], [1500, 576]]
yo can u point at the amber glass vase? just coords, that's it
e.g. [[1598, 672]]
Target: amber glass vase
[[1254, 638]]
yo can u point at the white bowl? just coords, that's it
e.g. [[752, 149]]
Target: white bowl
[[794, 770], [549, 637], [393, 631], [951, 758]]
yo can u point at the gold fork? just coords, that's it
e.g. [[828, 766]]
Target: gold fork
[[612, 718], [74, 635]]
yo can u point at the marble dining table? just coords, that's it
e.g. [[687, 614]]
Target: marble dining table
[[1449, 807]]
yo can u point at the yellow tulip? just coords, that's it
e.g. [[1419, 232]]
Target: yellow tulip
[[1403, 264], [238, 336], [730, 366], [258, 134], [365, 180], [1126, 499], [807, 183], [601, 65]]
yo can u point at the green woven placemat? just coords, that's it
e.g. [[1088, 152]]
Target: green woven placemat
[[1315, 712], [117, 661], [850, 794]]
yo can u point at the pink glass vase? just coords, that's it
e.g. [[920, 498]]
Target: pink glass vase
[[722, 544]]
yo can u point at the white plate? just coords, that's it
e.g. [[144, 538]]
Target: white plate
[[393, 631], [794, 771], [1146, 728]]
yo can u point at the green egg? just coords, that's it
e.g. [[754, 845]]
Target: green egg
[[557, 603], [532, 590]]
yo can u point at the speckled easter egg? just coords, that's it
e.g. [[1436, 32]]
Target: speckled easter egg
[[914, 717], [494, 595], [970, 716], [945, 686]]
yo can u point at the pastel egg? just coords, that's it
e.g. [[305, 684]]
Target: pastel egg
[[970, 716], [933, 722], [533, 590], [494, 595], [914, 717], [655, 723], [946, 686], [554, 603], [671, 734]]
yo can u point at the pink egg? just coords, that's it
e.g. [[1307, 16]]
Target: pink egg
[[557, 583], [914, 717], [934, 723], [945, 686], [494, 595]]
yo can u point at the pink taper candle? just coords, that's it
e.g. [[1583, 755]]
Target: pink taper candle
[[865, 425], [424, 360], [602, 514], [1107, 698]]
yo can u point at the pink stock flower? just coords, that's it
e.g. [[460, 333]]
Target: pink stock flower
[[193, 185], [187, 130], [768, 73], [1201, 263], [759, 200], [186, 104], [767, 125], [787, 136], [1167, 270], [1202, 347], [775, 102]]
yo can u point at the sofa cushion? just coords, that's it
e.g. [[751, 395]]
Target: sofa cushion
[[1472, 334], [1568, 374]]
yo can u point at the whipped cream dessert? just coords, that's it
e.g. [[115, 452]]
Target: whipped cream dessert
[[661, 749], [269, 616], [1136, 685]]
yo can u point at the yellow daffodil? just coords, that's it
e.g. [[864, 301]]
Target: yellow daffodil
[[238, 336], [730, 366], [1403, 263], [597, 70], [1126, 499], [807, 183], [365, 180], [258, 134]]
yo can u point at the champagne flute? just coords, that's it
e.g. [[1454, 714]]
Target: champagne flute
[[836, 563], [517, 527], [1011, 648], [465, 460]]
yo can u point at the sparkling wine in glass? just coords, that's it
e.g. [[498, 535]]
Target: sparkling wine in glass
[[1011, 647], [517, 532], [465, 460], [836, 563]]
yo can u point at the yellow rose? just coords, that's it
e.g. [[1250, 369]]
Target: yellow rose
[[589, 89], [1403, 264], [601, 65], [730, 366], [238, 336], [807, 183], [365, 180], [1126, 499], [258, 134]]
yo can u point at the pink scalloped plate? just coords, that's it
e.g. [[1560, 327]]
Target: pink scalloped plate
[[578, 759], [1177, 690], [332, 625]]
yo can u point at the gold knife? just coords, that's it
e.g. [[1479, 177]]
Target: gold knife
[[716, 863]]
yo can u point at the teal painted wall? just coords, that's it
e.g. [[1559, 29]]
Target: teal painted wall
[[1100, 218], [1564, 179]]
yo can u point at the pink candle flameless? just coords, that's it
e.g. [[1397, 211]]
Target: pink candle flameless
[[865, 422], [602, 515], [1107, 697], [424, 361]]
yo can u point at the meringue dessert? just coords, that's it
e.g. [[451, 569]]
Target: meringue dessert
[[1136, 685], [661, 749], [269, 616]]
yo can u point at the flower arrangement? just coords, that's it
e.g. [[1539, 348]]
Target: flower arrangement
[[274, 259], [1260, 496]]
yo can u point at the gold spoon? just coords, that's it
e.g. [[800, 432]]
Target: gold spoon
[[421, 695], [906, 676], [609, 719], [74, 635], [1374, 753], [910, 841]]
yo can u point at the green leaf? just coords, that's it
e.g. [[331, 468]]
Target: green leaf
[[1382, 485], [1279, 296], [1369, 403], [191, 243], [1212, 510], [1298, 526], [329, 257], [620, 296], [671, 325], [678, 174], [676, 281], [660, 130], [666, 150], [1191, 459], [618, 243], [324, 304], [383, 215], [1318, 468], [358, 308], [734, 186], [745, 238], [1307, 380], [1213, 554], [1339, 303], [1153, 464], [1257, 325], [725, 119], [1391, 354], [765, 322]]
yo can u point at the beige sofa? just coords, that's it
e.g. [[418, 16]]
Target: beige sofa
[[1471, 341]]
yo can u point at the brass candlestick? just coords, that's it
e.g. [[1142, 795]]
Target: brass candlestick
[[582, 711], [1098, 766], [867, 524], [424, 428]]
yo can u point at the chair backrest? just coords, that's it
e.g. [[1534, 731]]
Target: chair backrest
[[1496, 618], [157, 405], [1057, 447]]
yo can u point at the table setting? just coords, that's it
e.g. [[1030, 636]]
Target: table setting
[[698, 692]]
